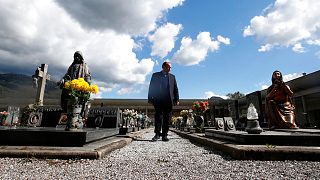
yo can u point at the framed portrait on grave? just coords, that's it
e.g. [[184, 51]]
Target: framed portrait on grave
[[63, 119], [35, 119]]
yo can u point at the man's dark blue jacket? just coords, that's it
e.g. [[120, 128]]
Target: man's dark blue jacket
[[155, 96]]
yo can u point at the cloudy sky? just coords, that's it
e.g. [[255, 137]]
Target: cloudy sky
[[216, 47]]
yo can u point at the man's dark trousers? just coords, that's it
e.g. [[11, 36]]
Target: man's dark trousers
[[163, 110]]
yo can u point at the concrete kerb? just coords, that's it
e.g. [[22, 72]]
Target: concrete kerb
[[255, 152], [94, 150], [46, 153], [122, 141]]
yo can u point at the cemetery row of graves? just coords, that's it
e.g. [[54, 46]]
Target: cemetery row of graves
[[195, 113], [102, 117]]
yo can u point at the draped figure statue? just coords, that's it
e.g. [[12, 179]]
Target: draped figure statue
[[279, 106], [78, 69]]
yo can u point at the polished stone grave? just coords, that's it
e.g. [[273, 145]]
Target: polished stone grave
[[286, 137], [51, 136]]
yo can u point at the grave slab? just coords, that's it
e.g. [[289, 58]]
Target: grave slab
[[287, 137], [51, 136]]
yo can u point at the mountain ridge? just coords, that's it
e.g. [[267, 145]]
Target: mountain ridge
[[14, 86]]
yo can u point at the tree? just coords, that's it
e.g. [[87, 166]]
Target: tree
[[235, 95]]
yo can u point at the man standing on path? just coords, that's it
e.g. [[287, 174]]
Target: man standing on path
[[163, 94]]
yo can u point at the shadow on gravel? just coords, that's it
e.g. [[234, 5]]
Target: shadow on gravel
[[143, 140], [155, 141]]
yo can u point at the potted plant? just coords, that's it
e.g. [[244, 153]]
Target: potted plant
[[79, 91], [198, 108], [129, 120]]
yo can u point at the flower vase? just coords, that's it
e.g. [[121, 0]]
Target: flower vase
[[75, 120], [199, 120]]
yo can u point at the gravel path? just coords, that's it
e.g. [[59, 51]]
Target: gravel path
[[142, 159]]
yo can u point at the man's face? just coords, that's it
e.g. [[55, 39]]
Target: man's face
[[167, 67]]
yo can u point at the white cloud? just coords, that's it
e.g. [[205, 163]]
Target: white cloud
[[209, 94], [192, 52], [286, 78], [135, 17], [286, 23], [248, 31], [164, 38], [124, 91], [96, 96], [35, 32], [105, 89], [264, 86], [223, 40], [265, 48], [298, 48], [314, 42], [289, 77], [133, 89]]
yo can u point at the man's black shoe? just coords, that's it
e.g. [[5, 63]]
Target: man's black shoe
[[165, 138], [155, 137]]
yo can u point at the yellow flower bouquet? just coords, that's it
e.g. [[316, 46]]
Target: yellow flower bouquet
[[80, 89], [184, 113]]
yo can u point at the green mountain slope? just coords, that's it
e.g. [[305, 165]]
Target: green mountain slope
[[19, 87]]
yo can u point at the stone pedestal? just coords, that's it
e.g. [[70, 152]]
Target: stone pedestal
[[253, 127]]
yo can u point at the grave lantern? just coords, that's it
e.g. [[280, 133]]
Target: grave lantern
[[253, 126]]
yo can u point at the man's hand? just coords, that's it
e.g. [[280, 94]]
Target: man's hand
[[177, 103]]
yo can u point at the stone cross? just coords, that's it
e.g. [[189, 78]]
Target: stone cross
[[39, 79]]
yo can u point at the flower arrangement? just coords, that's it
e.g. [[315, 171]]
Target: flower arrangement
[[80, 89], [130, 115], [176, 120], [3, 116], [199, 107], [184, 112]]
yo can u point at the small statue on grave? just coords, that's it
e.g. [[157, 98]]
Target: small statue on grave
[[78, 69], [279, 106]]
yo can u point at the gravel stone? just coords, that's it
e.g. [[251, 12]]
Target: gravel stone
[[143, 159]]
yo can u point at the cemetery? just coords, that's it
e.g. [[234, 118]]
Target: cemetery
[[237, 127], [163, 90], [108, 138]]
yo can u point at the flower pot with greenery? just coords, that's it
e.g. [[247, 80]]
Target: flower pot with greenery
[[79, 91], [129, 119], [198, 108]]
